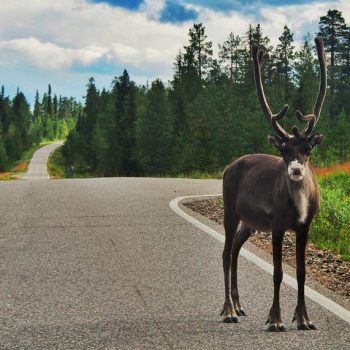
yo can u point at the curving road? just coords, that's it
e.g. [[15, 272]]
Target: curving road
[[37, 169], [107, 264]]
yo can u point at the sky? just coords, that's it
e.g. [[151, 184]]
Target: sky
[[64, 43]]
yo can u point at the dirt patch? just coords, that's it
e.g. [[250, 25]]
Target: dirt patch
[[21, 167], [322, 265]]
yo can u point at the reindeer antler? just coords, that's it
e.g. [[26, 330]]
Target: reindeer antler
[[312, 119], [259, 58]]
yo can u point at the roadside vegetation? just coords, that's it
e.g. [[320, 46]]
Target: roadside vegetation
[[55, 165], [20, 166], [23, 130], [331, 228], [208, 113]]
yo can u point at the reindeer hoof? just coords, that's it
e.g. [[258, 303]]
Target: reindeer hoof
[[303, 327], [272, 327], [231, 319], [240, 312], [281, 327], [311, 326]]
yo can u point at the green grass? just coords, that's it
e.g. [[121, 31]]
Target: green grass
[[25, 157], [57, 169], [201, 175], [345, 257], [55, 165], [331, 228], [45, 142]]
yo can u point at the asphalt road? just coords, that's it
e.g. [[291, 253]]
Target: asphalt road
[[37, 169], [106, 264]]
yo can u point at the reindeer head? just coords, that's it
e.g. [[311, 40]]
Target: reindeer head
[[295, 148]]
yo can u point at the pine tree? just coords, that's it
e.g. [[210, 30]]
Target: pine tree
[[55, 106], [285, 57], [37, 106], [306, 70], [124, 91], [199, 49], [331, 29], [49, 110], [5, 116], [230, 54], [154, 132], [3, 153], [343, 79], [91, 111], [21, 118], [215, 74], [177, 95]]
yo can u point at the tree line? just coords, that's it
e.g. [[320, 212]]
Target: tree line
[[22, 128], [208, 114]]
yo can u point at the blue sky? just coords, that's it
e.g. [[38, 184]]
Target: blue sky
[[65, 42], [219, 5]]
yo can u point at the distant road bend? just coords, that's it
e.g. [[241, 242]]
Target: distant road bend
[[107, 264], [37, 169]]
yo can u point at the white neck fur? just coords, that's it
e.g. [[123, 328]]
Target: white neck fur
[[299, 192]]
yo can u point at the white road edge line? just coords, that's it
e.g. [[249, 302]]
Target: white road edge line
[[330, 305]]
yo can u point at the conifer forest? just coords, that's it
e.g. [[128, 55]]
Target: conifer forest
[[207, 115]]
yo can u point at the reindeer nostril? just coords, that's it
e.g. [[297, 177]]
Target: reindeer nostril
[[297, 172]]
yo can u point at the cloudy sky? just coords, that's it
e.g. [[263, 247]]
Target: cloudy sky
[[67, 41]]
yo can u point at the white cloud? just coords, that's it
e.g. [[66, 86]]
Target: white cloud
[[47, 55], [57, 34], [344, 6], [296, 17]]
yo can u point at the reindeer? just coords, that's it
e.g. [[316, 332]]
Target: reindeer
[[273, 194]]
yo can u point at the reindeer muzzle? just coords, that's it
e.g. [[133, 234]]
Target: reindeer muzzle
[[296, 171]]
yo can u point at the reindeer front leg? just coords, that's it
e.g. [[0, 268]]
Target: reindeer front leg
[[275, 320], [300, 315]]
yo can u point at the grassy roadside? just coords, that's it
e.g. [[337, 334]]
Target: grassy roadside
[[55, 165], [331, 228], [20, 166], [200, 175]]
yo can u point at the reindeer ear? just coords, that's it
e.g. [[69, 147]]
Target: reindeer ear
[[316, 139]]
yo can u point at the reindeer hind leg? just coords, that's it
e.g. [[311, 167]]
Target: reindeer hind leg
[[241, 237], [231, 221]]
